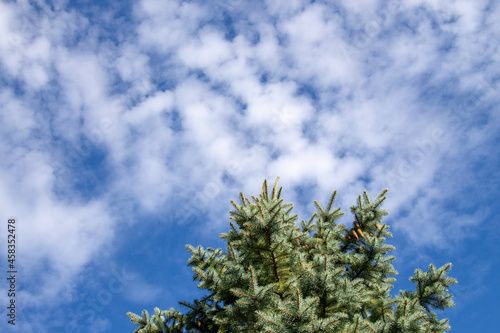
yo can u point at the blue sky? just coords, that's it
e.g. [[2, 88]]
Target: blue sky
[[127, 126]]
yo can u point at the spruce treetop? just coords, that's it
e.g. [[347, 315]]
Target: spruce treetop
[[321, 277]]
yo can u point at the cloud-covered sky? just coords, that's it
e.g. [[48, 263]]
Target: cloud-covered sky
[[127, 126]]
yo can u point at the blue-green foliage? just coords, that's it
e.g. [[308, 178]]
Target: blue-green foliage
[[276, 277]]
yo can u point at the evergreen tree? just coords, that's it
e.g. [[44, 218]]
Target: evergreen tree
[[275, 277]]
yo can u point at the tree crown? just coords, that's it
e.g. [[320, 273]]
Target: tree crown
[[277, 277]]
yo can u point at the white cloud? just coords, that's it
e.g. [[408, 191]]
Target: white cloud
[[285, 8], [210, 50], [17, 118], [166, 26], [132, 66], [56, 236]]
